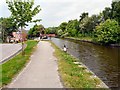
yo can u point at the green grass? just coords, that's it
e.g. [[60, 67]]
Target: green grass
[[72, 75], [13, 66]]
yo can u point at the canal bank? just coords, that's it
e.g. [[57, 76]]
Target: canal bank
[[101, 60], [89, 40], [75, 74]]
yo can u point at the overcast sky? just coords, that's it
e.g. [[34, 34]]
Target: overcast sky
[[55, 12]]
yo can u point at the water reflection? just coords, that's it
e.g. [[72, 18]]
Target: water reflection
[[103, 61]]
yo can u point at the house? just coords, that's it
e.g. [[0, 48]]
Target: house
[[19, 36]]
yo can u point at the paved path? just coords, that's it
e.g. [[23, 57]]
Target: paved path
[[41, 71], [8, 50]]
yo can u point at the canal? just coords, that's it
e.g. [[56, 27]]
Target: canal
[[102, 60]]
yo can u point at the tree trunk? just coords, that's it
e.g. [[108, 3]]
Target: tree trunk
[[23, 53]]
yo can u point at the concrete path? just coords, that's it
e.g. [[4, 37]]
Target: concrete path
[[41, 71]]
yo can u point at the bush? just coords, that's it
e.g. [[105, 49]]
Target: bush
[[108, 32]]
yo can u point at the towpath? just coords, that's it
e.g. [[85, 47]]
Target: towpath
[[41, 71]]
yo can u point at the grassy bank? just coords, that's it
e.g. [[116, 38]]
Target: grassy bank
[[74, 75], [91, 40], [80, 38], [13, 66]]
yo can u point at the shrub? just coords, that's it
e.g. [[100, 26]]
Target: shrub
[[108, 32]]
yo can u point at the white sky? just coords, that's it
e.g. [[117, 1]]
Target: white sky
[[55, 12]]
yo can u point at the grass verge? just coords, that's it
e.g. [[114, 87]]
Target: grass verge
[[72, 75], [14, 65]]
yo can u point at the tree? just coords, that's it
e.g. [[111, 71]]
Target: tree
[[22, 12], [7, 27], [116, 11], [72, 28], [108, 32], [107, 13], [35, 31], [62, 26], [51, 30], [82, 16], [87, 25]]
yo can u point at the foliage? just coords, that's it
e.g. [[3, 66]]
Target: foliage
[[13, 66], [51, 30], [22, 11], [63, 26], [108, 32], [107, 13], [72, 27], [35, 31], [116, 11], [86, 25], [83, 24], [61, 30], [83, 15], [7, 27]]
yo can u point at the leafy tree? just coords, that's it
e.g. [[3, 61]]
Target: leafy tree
[[30, 33], [82, 25], [72, 27], [83, 15], [35, 31], [7, 27], [51, 30], [87, 25], [47, 30], [108, 32], [60, 33], [22, 11], [116, 11], [107, 13], [62, 29], [63, 26], [83, 18]]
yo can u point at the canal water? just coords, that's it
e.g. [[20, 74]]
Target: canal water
[[102, 60]]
